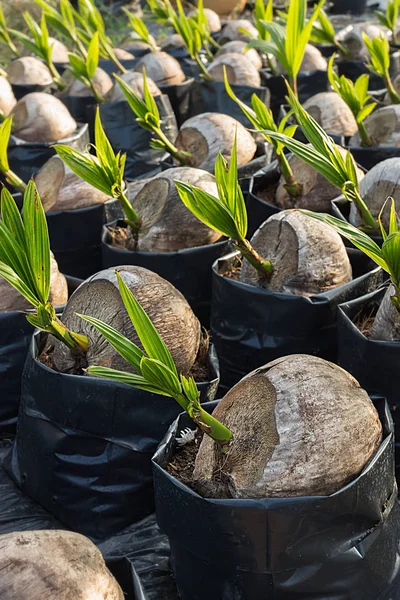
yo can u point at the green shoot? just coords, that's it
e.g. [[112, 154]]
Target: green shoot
[[63, 22], [84, 69], [5, 33], [148, 117], [226, 214], [263, 13], [261, 117], [379, 53], [25, 263], [356, 97], [387, 257], [11, 177], [288, 43], [324, 156], [323, 32], [140, 29], [159, 11], [40, 44], [205, 33], [389, 18], [155, 368], [104, 171]]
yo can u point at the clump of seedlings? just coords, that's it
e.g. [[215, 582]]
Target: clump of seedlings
[[29, 70], [351, 39], [7, 98]]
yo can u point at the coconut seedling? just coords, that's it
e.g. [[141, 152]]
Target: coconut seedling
[[379, 63], [332, 113], [63, 22], [140, 29], [323, 32], [238, 30], [388, 19], [10, 177], [351, 39]]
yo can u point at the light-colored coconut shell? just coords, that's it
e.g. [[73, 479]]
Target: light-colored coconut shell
[[386, 325], [172, 41], [7, 98], [162, 68], [301, 426], [59, 52], [11, 300], [132, 43], [213, 20], [28, 70], [232, 31], [239, 47], [123, 54], [239, 70], [99, 297], [308, 257], [135, 82], [312, 61], [209, 133], [102, 83], [332, 113], [40, 117], [167, 225], [383, 127], [350, 37], [53, 564]]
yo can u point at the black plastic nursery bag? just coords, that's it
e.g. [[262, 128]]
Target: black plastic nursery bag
[[179, 96], [308, 84], [22, 89], [344, 546], [83, 110], [259, 210], [368, 157]]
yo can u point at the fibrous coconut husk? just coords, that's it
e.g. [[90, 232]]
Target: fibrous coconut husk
[[350, 37], [232, 31], [301, 426], [99, 297], [162, 68], [102, 83], [312, 61], [332, 113], [213, 20], [308, 257], [172, 41], [28, 70], [123, 54], [239, 70], [7, 98], [135, 82], [59, 51], [239, 47], [383, 127]]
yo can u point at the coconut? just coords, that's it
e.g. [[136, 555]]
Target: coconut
[[209, 133], [239, 70], [28, 70], [308, 257], [386, 325], [233, 31], [167, 225], [135, 82], [54, 564], [59, 51], [99, 297], [7, 98], [134, 43], [123, 54], [60, 189], [172, 41], [162, 68], [239, 47], [11, 300], [350, 38], [317, 191], [40, 117], [380, 183], [301, 426], [383, 127], [332, 113], [312, 61], [102, 83], [213, 20]]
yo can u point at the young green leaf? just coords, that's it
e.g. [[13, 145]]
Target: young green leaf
[[379, 63], [10, 177], [140, 29], [389, 18], [4, 33]]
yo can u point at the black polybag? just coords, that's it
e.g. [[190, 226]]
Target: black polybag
[[179, 96], [352, 7], [252, 326], [375, 364], [84, 445], [23, 89], [189, 269], [369, 156], [109, 67], [344, 546], [259, 210], [82, 109]]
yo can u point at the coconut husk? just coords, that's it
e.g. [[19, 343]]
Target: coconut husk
[[135, 82], [350, 37], [239, 47], [232, 31], [172, 41], [54, 564], [312, 61], [11, 300], [40, 117], [28, 70], [209, 133], [132, 43], [102, 83], [386, 325], [59, 51], [123, 54], [308, 257], [167, 225], [99, 297], [239, 70], [7, 98], [213, 20], [301, 426], [383, 127], [332, 113], [162, 68]]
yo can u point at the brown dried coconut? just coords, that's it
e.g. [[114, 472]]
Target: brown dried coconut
[[239, 70], [54, 564], [162, 68], [40, 117], [301, 426], [99, 297], [308, 256], [135, 82], [209, 133], [239, 47], [28, 70], [7, 98], [332, 113]]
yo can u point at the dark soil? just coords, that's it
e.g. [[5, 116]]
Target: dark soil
[[267, 194], [122, 237], [234, 271], [364, 320]]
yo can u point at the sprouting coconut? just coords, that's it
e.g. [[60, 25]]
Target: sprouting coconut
[[7, 98], [239, 70], [135, 82], [133, 43], [213, 20], [332, 113], [396, 84], [312, 61], [239, 47], [351, 39], [209, 133], [167, 225], [238, 29], [308, 257], [10, 299], [102, 83], [123, 54], [383, 127], [59, 51], [162, 68], [54, 564], [40, 117], [60, 189], [301, 426], [172, 41], [317, 192], [99, 297], [28, 70]]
